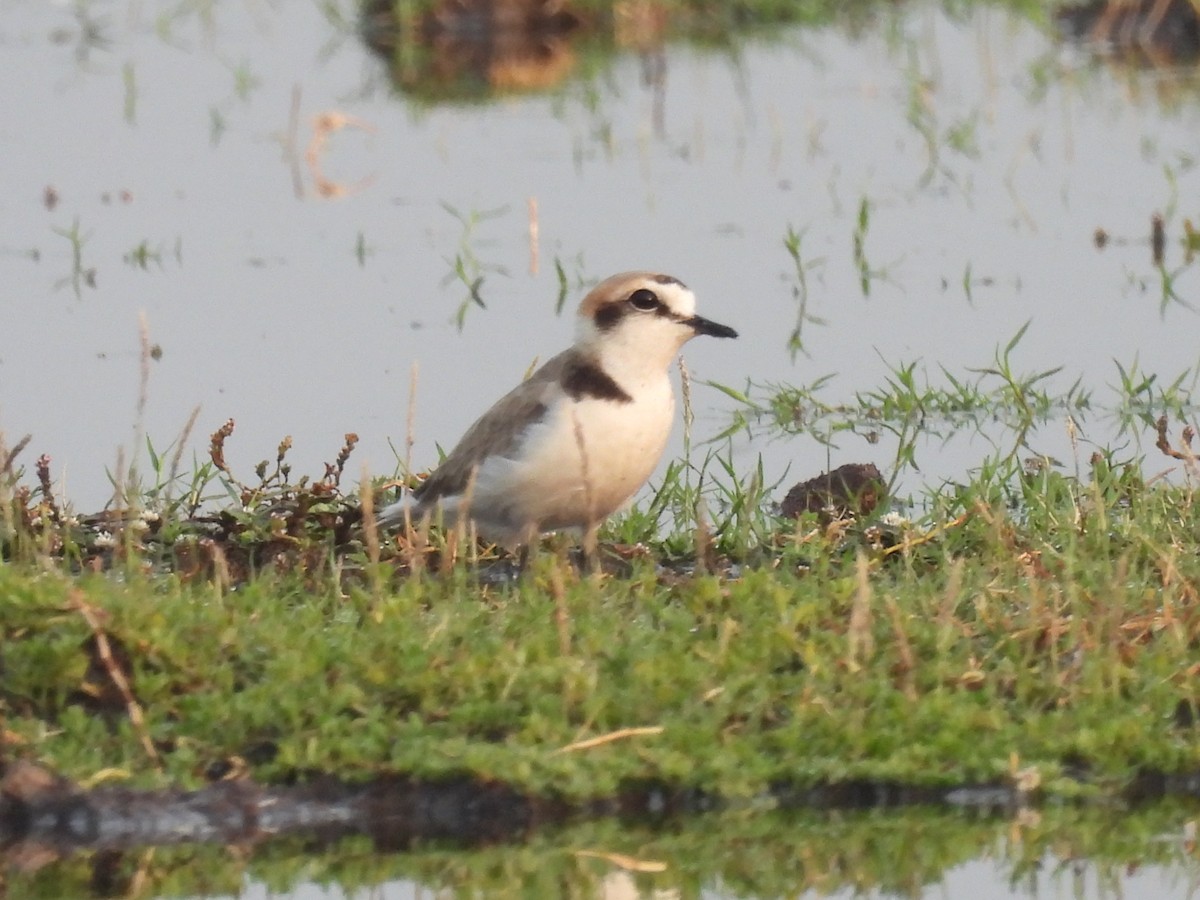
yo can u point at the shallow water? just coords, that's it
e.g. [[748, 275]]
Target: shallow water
[[978, 879], [987, 152]]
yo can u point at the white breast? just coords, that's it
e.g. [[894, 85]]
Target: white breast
[[580, 464]]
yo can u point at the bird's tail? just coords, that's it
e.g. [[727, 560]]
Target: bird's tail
[[393, 513]]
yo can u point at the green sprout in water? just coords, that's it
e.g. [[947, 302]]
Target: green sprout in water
[[216, 125], [141, 256], [129, 76], [244, 81], [80, 275], [860, 240], [466, 266], [361, 250], [567, 283], [792, 243]]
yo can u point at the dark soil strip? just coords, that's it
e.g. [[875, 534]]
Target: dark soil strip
[[42, 815]]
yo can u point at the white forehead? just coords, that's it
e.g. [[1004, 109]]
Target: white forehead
[[671, 292], [678, 298]]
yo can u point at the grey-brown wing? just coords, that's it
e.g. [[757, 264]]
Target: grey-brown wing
[[498, 432]]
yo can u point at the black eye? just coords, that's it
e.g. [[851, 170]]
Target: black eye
[[644, 300]]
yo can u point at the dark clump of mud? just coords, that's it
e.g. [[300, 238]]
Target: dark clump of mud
[[854, 490]]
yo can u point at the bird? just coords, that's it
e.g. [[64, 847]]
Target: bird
[[572, 443]]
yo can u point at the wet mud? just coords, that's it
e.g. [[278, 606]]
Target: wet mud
[[44, 818]]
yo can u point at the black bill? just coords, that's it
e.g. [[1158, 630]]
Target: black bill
[[702, 325]]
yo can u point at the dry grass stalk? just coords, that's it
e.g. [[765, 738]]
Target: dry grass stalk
[[334, 470], [118, 481], [292, 142], [463, 532], [366, 496], [1185, 453], [589, 493], [124, 478], [222, 577], [618, 735], [11, 456], [562, 616], [689, 415], [416, 543], [177, 456], [533, 236], [43, 476], [909, 542], [861, 643], [216, 446], [945, 616], [324, 125], [621, 861], [143, 872], [410, 418], [7, 482], [92, 615], [908, 661], [706, 554], [146, 352]]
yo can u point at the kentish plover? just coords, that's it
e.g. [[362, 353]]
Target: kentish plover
[[572, 443]]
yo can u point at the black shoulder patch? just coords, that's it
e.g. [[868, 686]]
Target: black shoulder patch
[[586, 379]]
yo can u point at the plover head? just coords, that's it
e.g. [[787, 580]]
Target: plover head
[[638, 321]]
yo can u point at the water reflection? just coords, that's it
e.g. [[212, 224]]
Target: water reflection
[[1136, 854], [473, 49], [1161, 33]]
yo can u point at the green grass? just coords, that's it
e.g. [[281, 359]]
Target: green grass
[[1030, 627]]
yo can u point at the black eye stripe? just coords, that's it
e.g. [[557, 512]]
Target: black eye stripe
[[609, 315], [642, 301]]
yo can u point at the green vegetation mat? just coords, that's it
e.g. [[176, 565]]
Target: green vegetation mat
[[1032, 628]]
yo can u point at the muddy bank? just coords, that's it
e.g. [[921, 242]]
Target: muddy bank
[[44, 818]]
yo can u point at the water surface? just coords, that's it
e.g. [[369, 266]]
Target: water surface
[[986, 152]]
